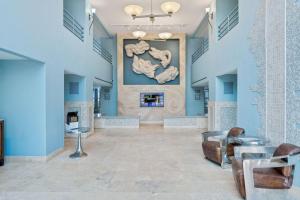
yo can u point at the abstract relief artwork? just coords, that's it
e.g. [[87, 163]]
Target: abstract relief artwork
[[150, 60]]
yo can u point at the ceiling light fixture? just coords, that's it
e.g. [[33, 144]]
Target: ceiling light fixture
[[139, 34], [169, 8], [165, 35], [133, 10]]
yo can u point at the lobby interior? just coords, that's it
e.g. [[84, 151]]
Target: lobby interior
[[153, 99]]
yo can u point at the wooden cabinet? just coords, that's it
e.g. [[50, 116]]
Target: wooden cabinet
[[1, 142]]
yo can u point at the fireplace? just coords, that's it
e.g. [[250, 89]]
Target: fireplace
[[78, 114], [72, 117], [72, 121]]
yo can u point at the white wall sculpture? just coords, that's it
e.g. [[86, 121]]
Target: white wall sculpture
[[168, 75], [165, 56], [141, 66], [137, 49]]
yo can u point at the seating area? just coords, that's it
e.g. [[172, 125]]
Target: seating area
[[222, 150], [254, 166], [150, 100], [269, 172]]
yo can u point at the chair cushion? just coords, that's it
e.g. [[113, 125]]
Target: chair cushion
[[212, 151], [284, 150], [236, 131], [263, 178]]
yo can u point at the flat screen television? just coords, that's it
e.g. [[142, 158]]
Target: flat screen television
[[152, 100]]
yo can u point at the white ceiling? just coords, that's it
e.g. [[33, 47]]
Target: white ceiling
[[113, 17], [9, 56]]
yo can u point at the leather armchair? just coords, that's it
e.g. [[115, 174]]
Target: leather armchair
[[219, 151], [260, 167]]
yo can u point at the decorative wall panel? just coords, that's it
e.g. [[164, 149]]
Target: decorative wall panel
[[258, 48], [222, 115], [275, 43], [268, 46], [129, 95], [158, 55], [293, 71]]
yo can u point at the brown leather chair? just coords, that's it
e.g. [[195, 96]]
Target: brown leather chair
[[221, 150], [268, 172]]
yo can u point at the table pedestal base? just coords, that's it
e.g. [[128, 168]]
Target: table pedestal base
[[79, 153]]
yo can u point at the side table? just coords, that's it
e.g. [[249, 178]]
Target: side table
[[79, 150]]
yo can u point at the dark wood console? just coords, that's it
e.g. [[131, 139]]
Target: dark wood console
[[1, 142]]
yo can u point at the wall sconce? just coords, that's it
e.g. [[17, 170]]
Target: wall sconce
[[210, 14], [93, 11], [91, 17]]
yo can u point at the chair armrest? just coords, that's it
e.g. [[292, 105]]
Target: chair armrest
[[209, 134], [249, 165], [239, 151]]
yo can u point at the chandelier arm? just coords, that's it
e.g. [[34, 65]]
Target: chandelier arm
[[142, 16], [148, 16], [163, 15]]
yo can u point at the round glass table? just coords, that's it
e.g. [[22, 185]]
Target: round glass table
[[248, 141], [79, 150]]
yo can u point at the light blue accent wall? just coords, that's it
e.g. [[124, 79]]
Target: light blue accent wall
[[71, 78], [220, 87], [193, 107], [77, 9], [232, 53], [110, 108], [42, 36], [100, 32], [132, 78], [22, 106], [203, 28], [297, 175], [224, 7]]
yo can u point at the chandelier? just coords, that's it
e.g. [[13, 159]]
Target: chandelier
[[169, 8]]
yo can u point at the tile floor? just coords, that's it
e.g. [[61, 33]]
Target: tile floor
[[149, 163]]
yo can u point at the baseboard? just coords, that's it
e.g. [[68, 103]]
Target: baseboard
[[12, 159], [54, 154], [151, 122]]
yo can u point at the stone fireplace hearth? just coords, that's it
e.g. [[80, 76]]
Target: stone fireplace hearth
[[85, 115]]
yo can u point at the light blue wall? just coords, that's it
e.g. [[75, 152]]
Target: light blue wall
[[100, 32], [77, 9], [224, 7], [22, 106], [42, 36], [203, 28], [193, 107], [232, 53], [110, 108], [81, 96], [220, 81]]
